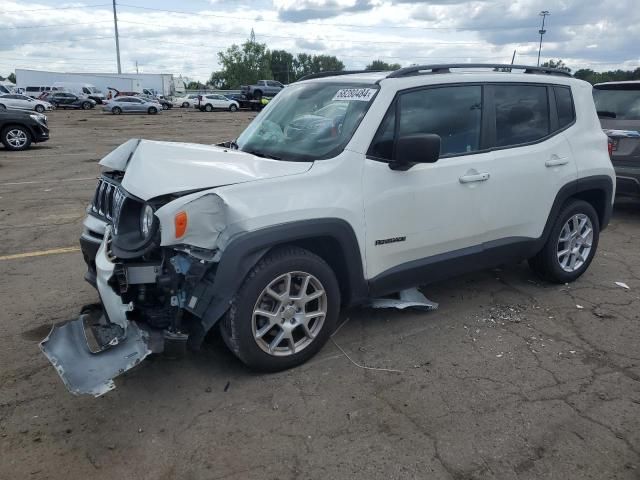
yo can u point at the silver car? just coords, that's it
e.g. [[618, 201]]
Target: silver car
[[120, 105]]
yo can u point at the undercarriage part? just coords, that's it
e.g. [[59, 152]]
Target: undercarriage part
[[89, 366]]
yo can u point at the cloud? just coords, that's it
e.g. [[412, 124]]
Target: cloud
[[301, 11], [310, 44]]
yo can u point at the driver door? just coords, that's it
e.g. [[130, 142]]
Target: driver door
[[429, 212]]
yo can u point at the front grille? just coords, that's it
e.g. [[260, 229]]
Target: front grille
[[103, 204]]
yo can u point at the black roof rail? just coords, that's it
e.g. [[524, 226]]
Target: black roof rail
[[335, 74], [446, 68]]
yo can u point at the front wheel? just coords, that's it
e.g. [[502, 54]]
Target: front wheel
[[284, 312], [152, 110], [571, 245], [208, 107], [165, 106], [86, 105], [39, 108], [2, 107], [233, 108], [16, 137], [185, 105], [116, 110]]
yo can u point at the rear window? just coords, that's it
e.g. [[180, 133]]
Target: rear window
[[33, 89], [522, 114], [564, 106], [620, 101]]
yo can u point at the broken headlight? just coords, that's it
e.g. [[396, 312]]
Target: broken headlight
[[146, 220]]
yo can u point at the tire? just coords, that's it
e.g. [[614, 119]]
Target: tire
[[240, 326], [86, 105], [152, 110], [165, 106], [39, 108], [116, 110], [233, 108], [16, 137], [257, 95], [208, 107], [2, 107], [554, 266], [185, 105]]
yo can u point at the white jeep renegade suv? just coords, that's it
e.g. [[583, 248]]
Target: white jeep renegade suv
[[343, 188]]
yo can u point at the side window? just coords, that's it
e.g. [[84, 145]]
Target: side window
[[453, 113], [85, 90], [522, 114], [564, 106]]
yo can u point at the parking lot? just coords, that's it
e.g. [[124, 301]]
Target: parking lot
[[510, 378]]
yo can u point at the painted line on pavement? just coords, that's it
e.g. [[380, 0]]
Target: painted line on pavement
[[40, 253], [49, 181]]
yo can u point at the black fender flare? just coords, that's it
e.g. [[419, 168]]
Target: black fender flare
[[211, 297], [602, 183]]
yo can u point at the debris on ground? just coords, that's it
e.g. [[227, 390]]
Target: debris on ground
[[410, 298], [623, 285]]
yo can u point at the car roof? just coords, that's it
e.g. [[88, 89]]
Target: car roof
[[621, 82]]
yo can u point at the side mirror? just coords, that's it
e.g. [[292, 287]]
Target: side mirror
[[416, 148]]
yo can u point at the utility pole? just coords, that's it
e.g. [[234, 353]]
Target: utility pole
[[513, 58], [136, 66], [542, 31], [115, 24]]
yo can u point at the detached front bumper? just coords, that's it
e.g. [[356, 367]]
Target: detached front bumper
[[101, 344]]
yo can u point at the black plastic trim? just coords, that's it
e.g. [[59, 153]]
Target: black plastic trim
[[445, 68]]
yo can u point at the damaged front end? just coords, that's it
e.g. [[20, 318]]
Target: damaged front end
[[145, 283]]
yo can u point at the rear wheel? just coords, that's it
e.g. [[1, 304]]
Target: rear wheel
[[284, 312], [152, 110], [16, 137], [2, 107], [86, 105], [116, 110], [185, 105], [257, 95], [165, 106], [571, 245], [208, 107], [39, 108]]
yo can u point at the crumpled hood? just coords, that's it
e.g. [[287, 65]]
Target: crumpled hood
[[158, 168]]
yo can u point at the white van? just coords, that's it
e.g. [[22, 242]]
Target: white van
[[80, 89]]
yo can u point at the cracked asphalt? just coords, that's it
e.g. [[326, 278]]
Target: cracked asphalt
[[511, 378]]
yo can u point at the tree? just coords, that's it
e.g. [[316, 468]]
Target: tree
[[559, 64], [195, 86], [305, 64], [12, 77], [218, 81], [380, 65], [245, 64], [282, 66]]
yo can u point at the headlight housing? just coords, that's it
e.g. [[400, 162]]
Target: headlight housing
[[146, 220]]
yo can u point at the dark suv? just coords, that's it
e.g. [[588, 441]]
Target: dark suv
[[69, 100], [18, 129], [618, 105]]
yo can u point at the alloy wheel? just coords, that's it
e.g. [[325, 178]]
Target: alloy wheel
[[575, 242], [289, 314], [16, 138]]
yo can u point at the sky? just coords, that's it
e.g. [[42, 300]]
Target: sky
[[183, 37]]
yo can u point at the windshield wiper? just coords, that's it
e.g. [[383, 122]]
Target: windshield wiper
[[262, 155]]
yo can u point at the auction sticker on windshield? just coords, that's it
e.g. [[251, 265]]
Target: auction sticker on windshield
[[350, 94]]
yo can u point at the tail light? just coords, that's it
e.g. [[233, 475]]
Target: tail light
[[610, 147]]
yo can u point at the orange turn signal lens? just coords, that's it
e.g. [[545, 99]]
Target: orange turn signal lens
[[180, 222]]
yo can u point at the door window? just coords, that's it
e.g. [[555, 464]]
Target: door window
[[522, 114], [453, 113]]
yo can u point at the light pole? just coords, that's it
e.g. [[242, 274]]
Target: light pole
[[542, 31], [115, 24]]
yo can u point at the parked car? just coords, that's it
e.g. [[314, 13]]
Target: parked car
[[618, 105], [325, 122], [164, 104], [214, 101], [120, 105], [266, 237], [23, 102], [263, 88], [186, 101], [35, 92], [70, 100], [18, 129]]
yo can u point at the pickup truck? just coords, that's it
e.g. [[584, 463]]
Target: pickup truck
[[264, 88]]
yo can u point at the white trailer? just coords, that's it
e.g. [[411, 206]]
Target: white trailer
[[38, 78], [155, 83]]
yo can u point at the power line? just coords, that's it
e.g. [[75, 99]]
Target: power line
[[54, 25], [58, 8]]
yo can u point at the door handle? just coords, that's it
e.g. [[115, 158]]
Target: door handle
[[555, 161], [476, 177]]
